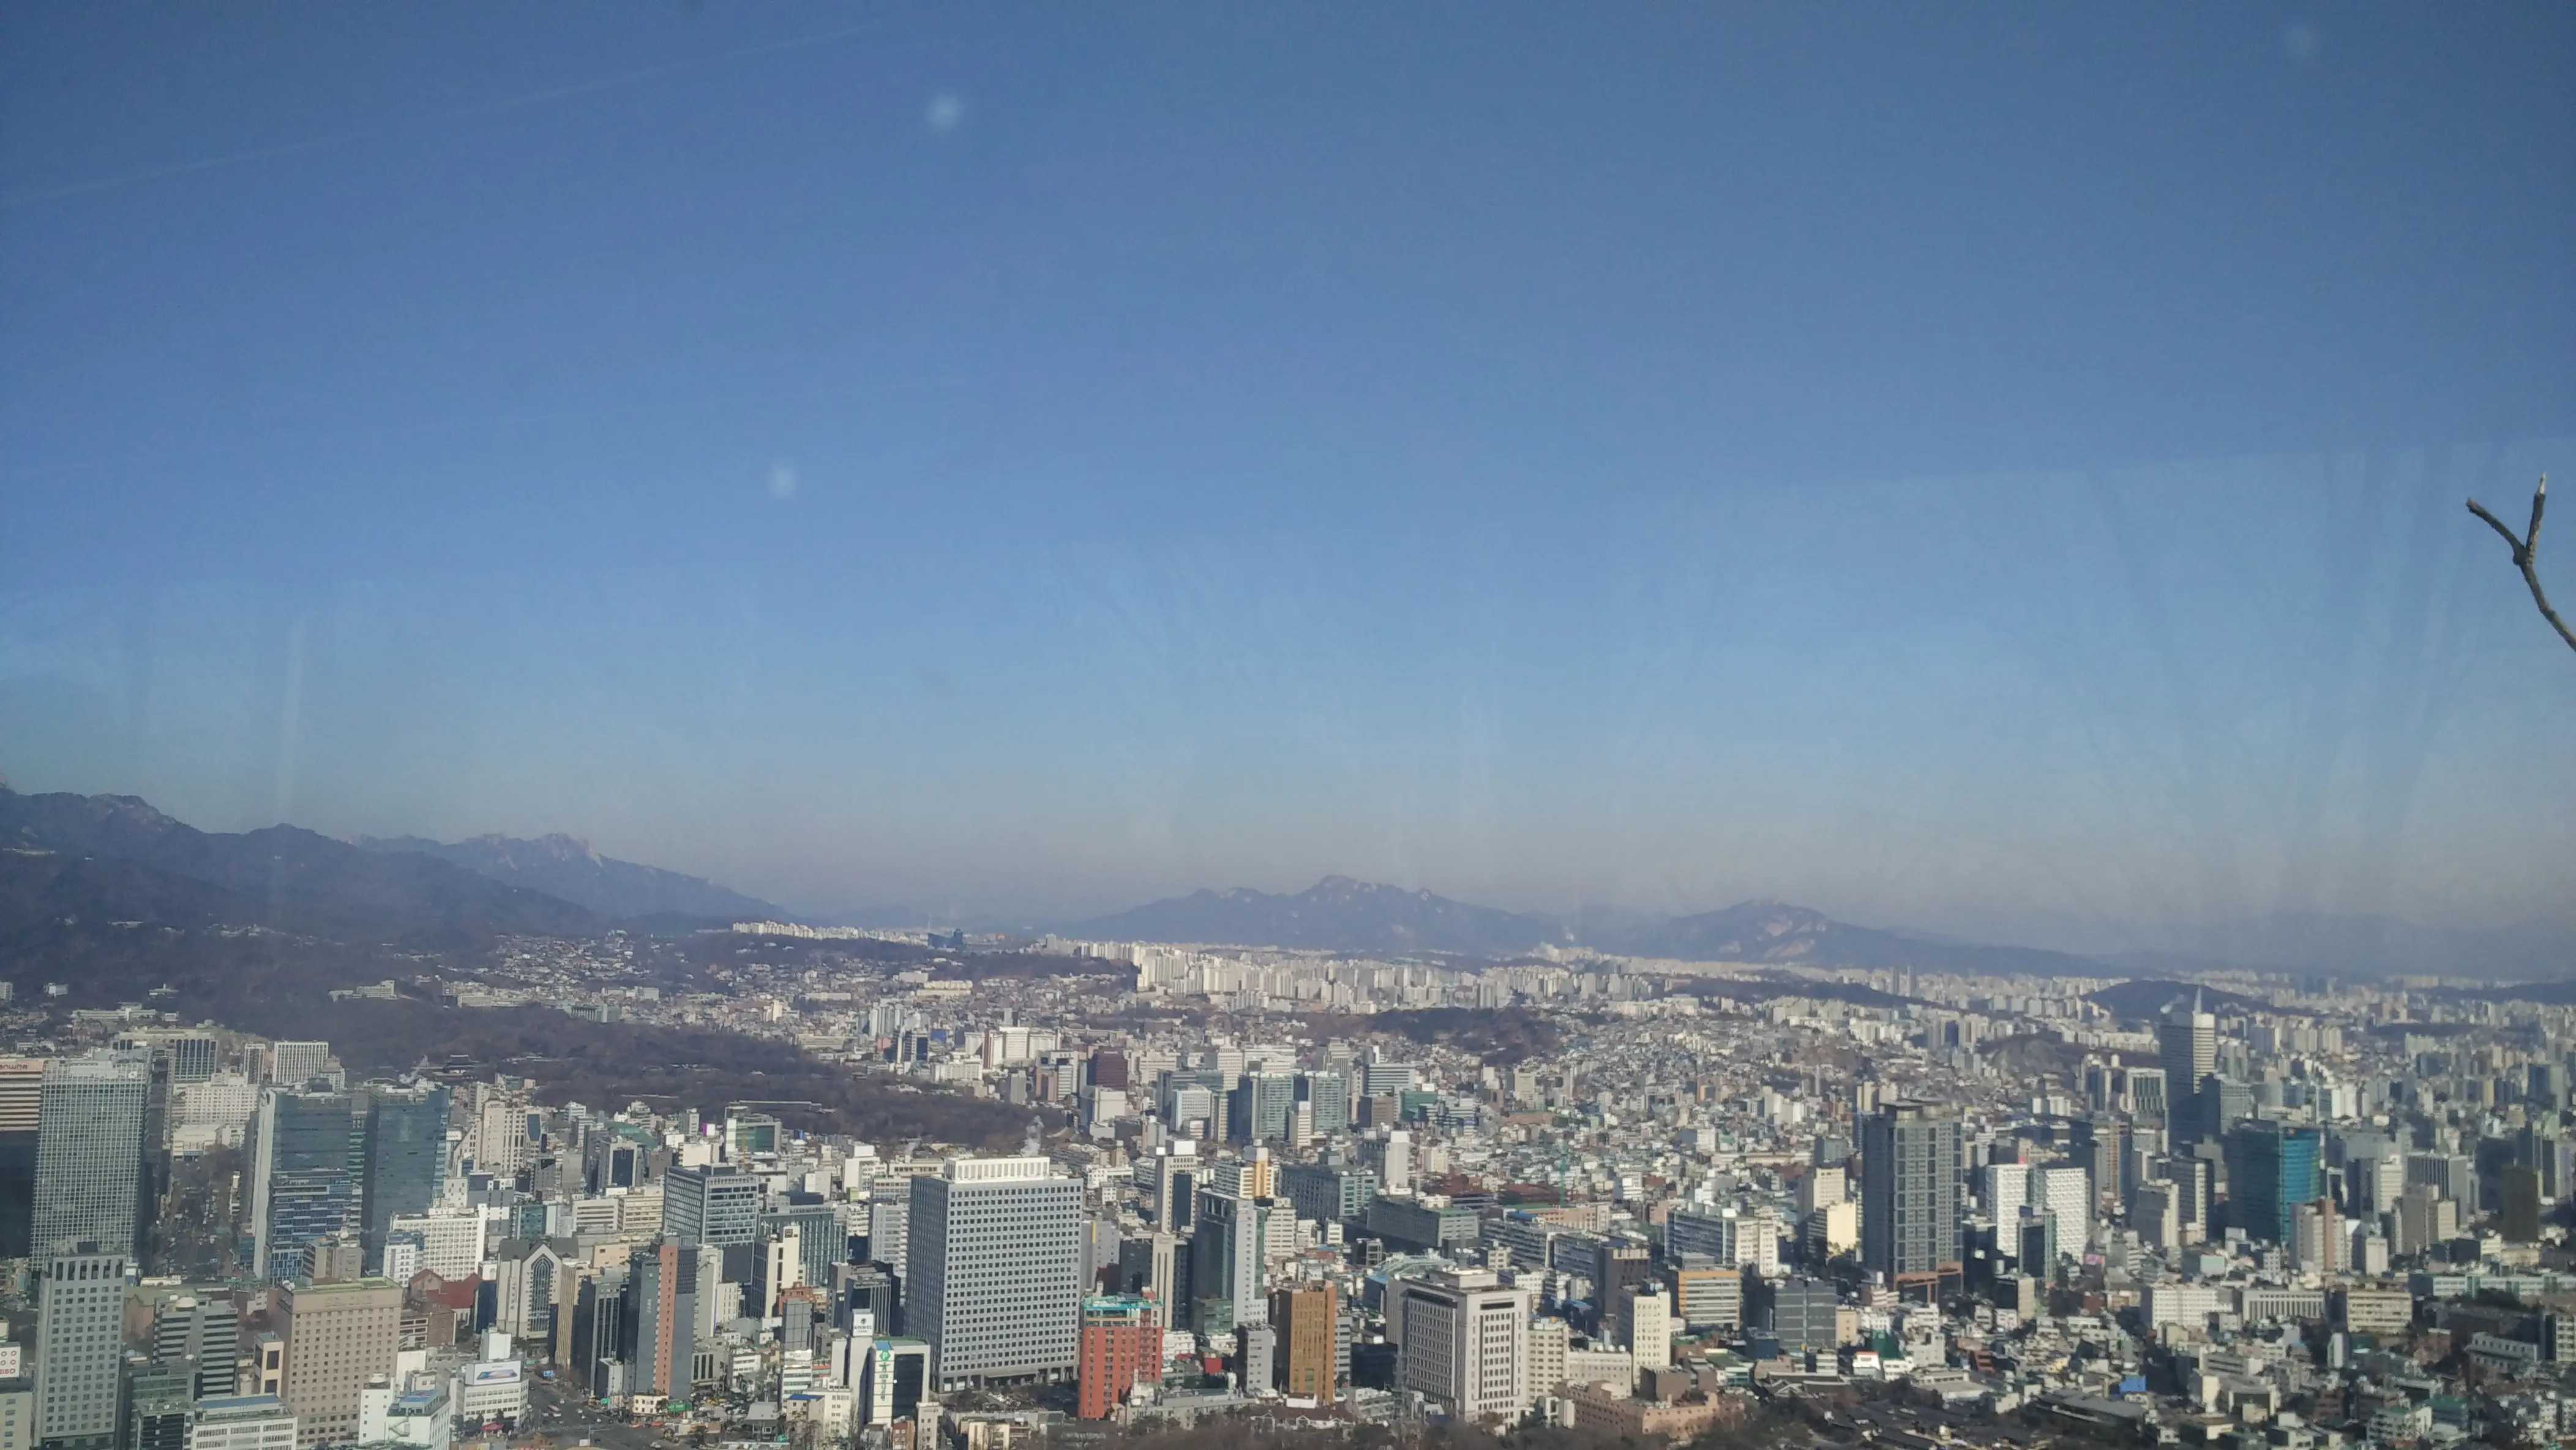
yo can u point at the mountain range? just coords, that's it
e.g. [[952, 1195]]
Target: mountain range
[[561, 866], [1774, 933], [115, 858], [1340, 914], [146, 866]]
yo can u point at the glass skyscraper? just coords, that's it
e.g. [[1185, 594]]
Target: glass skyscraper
[[303, 1175], [2271, 1169], [2187, 1049], [89, 1155], [406, 1150]]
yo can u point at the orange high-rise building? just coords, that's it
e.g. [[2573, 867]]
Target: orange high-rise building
[[1306, 1319]]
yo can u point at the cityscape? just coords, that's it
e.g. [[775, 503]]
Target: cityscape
[[843, 725], [1613, 1197]]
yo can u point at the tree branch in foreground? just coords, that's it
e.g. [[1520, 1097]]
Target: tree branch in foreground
[[2526, 548]]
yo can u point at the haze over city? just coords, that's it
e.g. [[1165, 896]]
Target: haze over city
[[1996, 472]]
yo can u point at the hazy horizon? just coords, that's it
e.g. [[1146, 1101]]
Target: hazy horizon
[[1994, 471]]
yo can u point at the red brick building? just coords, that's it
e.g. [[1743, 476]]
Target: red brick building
[[1122, 1345]]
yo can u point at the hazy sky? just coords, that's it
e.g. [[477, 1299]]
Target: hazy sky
[[1992, 468]]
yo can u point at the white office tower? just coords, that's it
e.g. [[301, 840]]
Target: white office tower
[[1823, 1187], [2005, 1190], [1646, 1322], [80, 1326], [1466, 1343], [2067, 1191], [1757, 1243], [501, 1137], [2156, 1214], [1395, 1168], [294, 1064], [451, 1244], [994, 1268], [2318, 1239], [2377, 1182]]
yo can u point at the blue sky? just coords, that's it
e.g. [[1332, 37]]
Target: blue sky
[[1992, 468]]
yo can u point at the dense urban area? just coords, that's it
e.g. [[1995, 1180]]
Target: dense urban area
[[1293, 1192]]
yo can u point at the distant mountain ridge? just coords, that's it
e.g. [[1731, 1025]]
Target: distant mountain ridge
[[565, 867], [1773, 933], [282, 876], [1340, 914], [1335, 914]]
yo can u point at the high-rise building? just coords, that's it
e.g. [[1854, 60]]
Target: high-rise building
[[2221, 1104], [2035, 1245], [2066, 1190], [2271, 1169], [1799, 1312], [1909, 1228], [1171, 1179], [1466, 1343], [597, 1349], [2520, 1211], [713, 1206], [501, 1136], [1646, 1325], [89, 1155], [1548, 1340], [2187, 1048], [659, 1327], [1329, 1094], [1395, 1163], [337, 1335], [2319, 1242], [2154, 1211], [890, 1232], [199, 1329], [192, 1057], [1708, 1294], [1329, 1192], [297, 1064], [302, 1177], [2007, 1188], [80, 1322], [1121, 1346], [406, 1151], [1225, 1263], [17, 1412], [22, 1095], [1308, 1321], [1257, 1108], [159, 1403], [893, 1379], [994, 1270], [2143, 1089]]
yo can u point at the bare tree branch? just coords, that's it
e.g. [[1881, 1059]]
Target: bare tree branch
[[2526, 549]]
